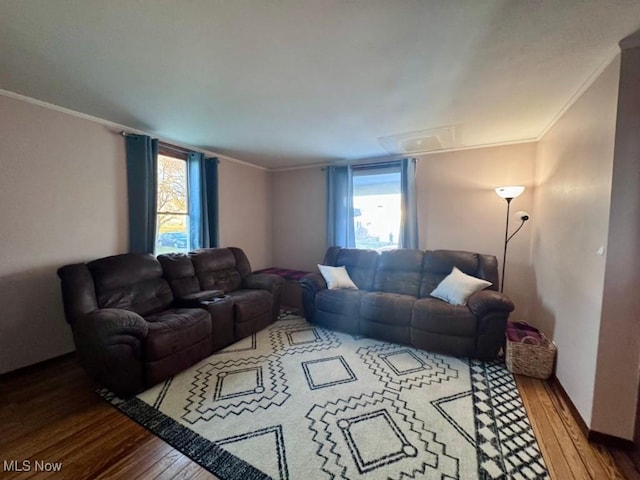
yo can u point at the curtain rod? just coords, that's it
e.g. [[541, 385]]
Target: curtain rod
[[164, 145], [366, 163]]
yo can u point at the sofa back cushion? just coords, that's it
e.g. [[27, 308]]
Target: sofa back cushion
[[78, 291], [360, 264], [180, 273], [488, 270], [242, 262], [438, 264], [216, 269], [132, 282], [399, 271]]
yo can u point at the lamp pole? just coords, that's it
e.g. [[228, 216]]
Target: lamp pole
[[508, 193], [506, 242]]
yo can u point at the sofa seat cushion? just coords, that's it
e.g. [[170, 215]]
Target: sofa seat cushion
[[248, 304], [174, 330], [436, 316], [387, 308], [342, 302]]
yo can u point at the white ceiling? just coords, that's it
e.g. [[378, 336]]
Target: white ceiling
[[281, 83]]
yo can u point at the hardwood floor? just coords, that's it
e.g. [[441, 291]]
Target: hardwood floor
[[51, 414], [566, 451]]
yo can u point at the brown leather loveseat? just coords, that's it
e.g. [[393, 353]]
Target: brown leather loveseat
[[137, 320], [393, 300]]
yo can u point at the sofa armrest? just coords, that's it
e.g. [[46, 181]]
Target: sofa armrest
[[194, 300], [492, 310], [486, 301], [270, 282], [107, 324], [313, 281], [311, 284], [109, 343], [263, 281]]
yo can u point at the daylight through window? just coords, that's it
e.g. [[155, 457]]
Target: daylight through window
[[172, 225], [376, 203]]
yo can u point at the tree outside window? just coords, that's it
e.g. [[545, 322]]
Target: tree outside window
[[172, 230]]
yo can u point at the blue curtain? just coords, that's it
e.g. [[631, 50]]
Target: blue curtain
[[211, 202], [409, 205], [203, 200], [142, 159], [340, 228], [198, 230]]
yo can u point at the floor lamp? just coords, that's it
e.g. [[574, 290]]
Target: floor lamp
[[509, 193]]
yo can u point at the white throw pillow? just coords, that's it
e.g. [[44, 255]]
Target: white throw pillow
[[457, 287], [336, 277]]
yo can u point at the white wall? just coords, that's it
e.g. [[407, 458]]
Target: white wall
[[245, 211], [571, 202], [63, 193], [299, 218], [64, 199], [618, 357]]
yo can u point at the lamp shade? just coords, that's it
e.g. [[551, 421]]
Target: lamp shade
[[510, 191]]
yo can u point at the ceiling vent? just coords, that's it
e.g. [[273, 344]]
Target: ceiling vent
[[420, 141]]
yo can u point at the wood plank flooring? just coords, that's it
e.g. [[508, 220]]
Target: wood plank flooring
[[565, 449], [51, 413]]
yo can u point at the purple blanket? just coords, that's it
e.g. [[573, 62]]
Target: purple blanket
[[517, 331], [284, 273]]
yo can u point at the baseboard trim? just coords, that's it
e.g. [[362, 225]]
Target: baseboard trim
[[558, 388], [591, 435], [36, 366], [610, 440]]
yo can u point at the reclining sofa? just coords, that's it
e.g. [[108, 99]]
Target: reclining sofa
[[137, 319], [393, 300]]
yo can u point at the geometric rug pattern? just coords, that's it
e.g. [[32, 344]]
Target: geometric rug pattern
[[297, 401]]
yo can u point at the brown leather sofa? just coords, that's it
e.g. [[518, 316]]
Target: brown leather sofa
[[392, 301], [137, 320], [253, 298]]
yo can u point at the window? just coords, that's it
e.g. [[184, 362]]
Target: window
[[172, 212], [173, 197], [377, 206], [372, 206]]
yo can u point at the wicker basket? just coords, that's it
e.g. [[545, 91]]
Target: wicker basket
[[531, 356]]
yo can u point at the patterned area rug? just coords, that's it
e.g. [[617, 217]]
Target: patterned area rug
[[296, 401]]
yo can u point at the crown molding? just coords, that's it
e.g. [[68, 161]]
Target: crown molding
[[583, 87], [631, 41], [400, 157], [118, 128]]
